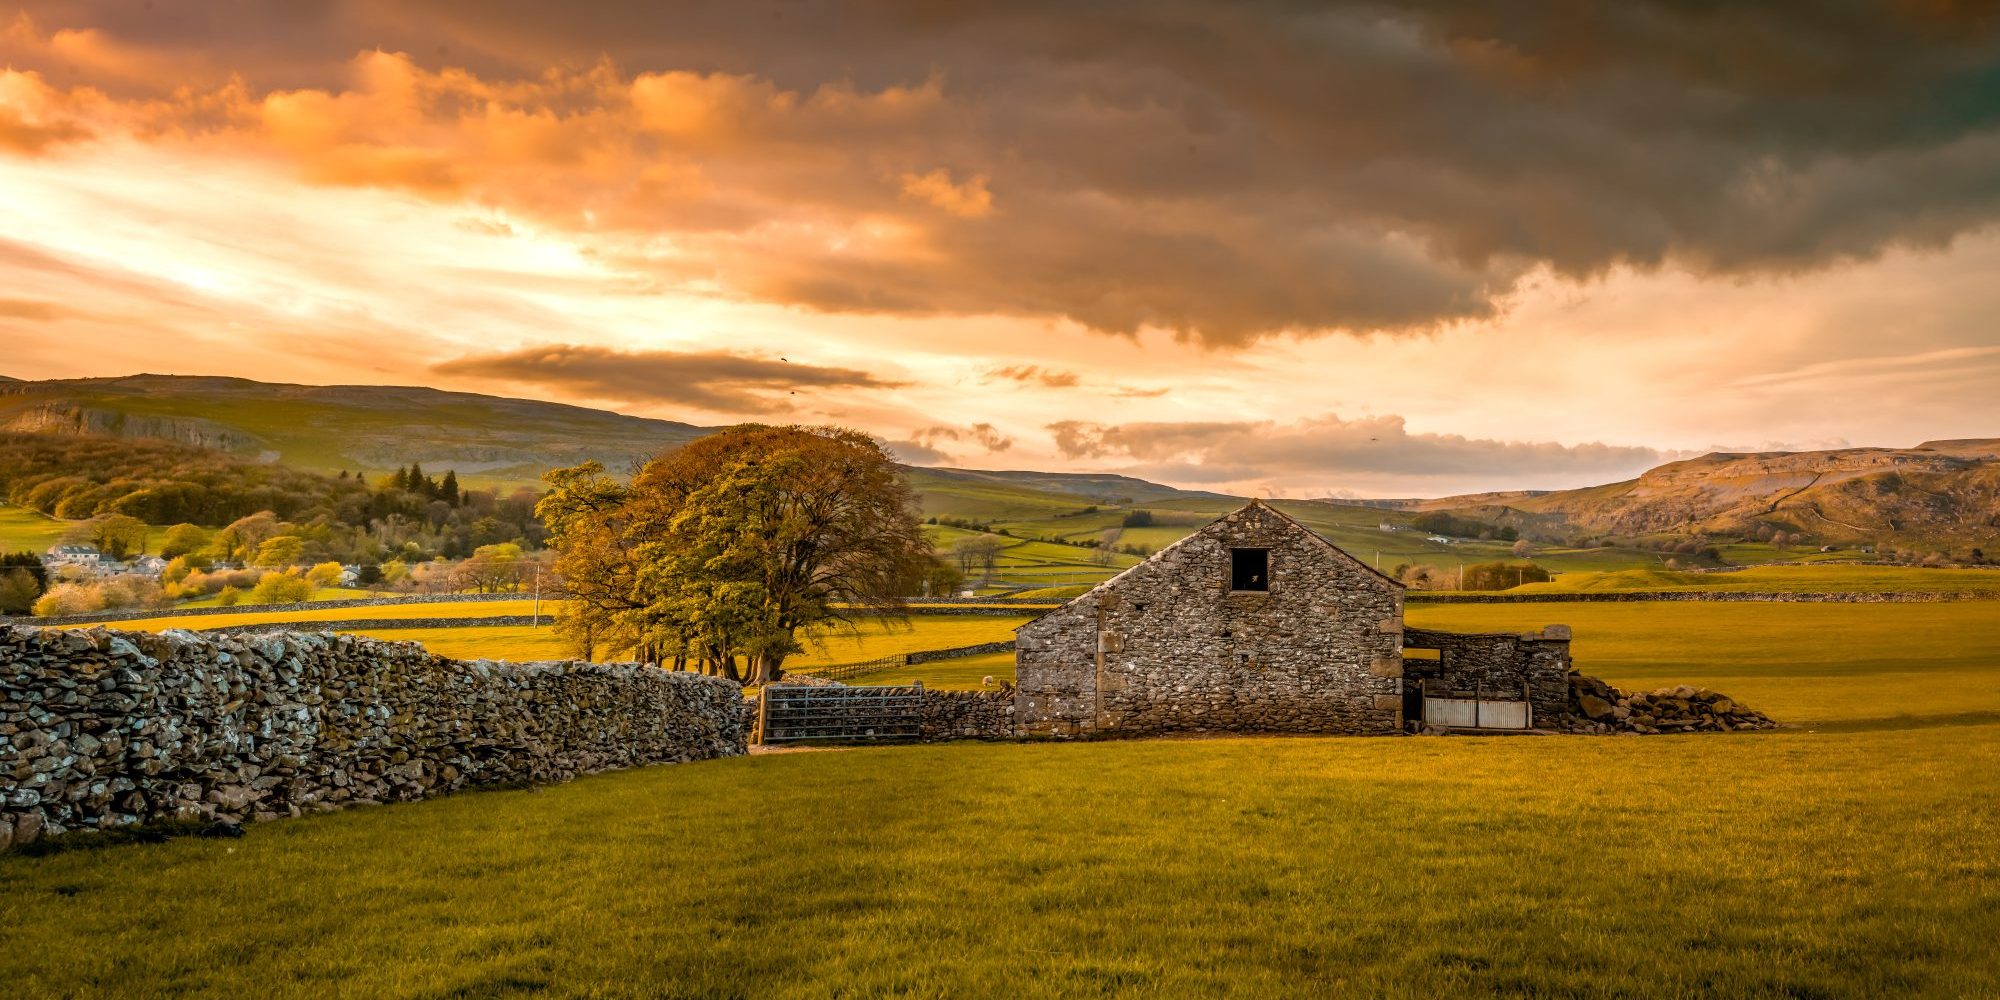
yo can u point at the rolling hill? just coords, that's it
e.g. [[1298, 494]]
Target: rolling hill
[[1940, 493], [488, 440], [371, 429]]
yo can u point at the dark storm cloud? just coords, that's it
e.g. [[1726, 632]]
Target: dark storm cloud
[[715, 380], [1228, 170]]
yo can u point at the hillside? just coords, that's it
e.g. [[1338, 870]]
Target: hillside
[[1940, 493], [371, 429]]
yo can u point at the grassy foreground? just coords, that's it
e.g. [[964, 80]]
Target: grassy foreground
[[1789, 864]]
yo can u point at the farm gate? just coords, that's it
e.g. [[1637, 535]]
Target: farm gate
[[791, 713]]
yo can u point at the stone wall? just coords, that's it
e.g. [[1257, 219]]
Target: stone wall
[[1320, 652], [1494, 666], [101, 728], [968, 715]]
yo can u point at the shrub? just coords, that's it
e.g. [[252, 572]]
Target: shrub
[[1139, 519], [229, 597], [282, 588], [70, 599]]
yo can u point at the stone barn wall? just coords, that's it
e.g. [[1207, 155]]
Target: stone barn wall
[[1497, 666], [1320, 652], [102, 729]]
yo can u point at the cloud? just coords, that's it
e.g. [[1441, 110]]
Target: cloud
[[917, 453], [984, 435], [711, 380], [969, 200], [1226, 171], [33, 309], [1329, 447], [1036, 375]]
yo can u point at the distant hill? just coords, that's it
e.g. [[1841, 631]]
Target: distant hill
[[1097, 486], [489, 440], [1940, 493], [370, 429]]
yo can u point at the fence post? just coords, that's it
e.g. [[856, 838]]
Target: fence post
[[763, 710]]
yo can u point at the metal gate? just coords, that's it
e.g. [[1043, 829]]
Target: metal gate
[[787, 714], [1476, 713]]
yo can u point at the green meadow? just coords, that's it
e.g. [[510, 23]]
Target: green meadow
[[23, 530], [1789, 864]]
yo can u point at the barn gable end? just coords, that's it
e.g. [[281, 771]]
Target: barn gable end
[[1251, 624]]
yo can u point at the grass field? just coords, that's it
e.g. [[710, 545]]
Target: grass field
[[1778, 865], [306, 615], [1801, 578], [23, 530], [1850, 665], [924, 632], [1856, 854]]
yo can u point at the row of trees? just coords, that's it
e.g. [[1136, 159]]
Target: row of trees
[[120, 486]]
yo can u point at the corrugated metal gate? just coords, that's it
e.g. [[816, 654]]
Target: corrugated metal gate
[[1476, 713], [788, 714]]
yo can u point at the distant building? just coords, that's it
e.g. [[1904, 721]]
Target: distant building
[[74, 555]]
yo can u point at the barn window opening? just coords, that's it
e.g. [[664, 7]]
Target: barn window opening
[[1249, 569]]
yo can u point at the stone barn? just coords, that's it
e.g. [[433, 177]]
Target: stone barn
[[1255, 623]]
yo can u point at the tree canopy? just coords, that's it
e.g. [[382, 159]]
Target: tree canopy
[[742, 544]]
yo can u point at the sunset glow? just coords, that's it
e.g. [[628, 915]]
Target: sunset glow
[[1081, 237]]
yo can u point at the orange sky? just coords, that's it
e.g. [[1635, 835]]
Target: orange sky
[[1215, 245]]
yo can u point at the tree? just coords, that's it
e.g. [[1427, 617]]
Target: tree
[[281, 588], [414, 481], [70, 599], [182, 539], [19, 590], [492, 569], [1523, 549], [280, 551], [735, 545], [325, 574], [1139, 519], [448, 490], [115, 535], [981, 553]]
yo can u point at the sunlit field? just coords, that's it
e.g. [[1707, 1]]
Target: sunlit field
[[305, 616], [871, 640], [1855, 854], [1785, 865], [23, 530], [1809, 664], [1805, 578]]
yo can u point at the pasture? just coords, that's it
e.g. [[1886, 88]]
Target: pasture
[[867, 641], [1848, 665], [23, 530], [1797, 578], [1856, 854], [1782, 865]]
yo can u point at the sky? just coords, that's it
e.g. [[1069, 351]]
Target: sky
[[1290, 249]]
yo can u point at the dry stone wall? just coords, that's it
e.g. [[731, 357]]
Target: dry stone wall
[[968, 715], [101, 729], [1319, 652]]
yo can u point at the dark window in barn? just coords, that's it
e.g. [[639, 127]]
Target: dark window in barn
[[1249, 569]]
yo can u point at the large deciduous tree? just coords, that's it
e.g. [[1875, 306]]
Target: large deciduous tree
[[739, 545]]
